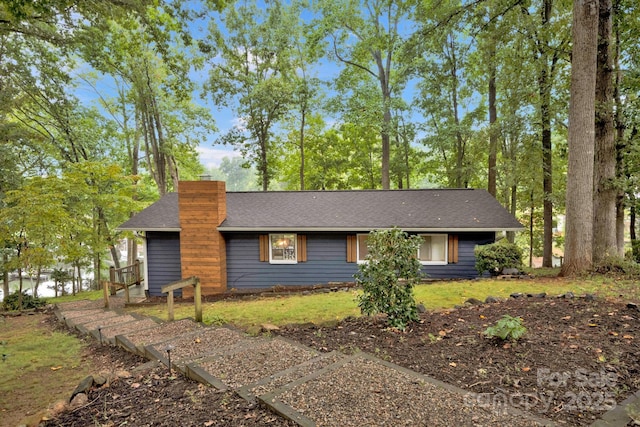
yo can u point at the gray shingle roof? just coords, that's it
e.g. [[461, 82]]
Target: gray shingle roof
[[358, 210], [160, 216]]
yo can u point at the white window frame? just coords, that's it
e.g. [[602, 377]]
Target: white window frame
[[293, 260], [446, 250], [358, 260]]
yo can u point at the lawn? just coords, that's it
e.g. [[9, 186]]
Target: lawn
[[328, 307]]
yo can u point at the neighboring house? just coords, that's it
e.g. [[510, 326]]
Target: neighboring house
[[248, 240]]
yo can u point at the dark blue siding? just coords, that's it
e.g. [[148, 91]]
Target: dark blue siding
[[326, 262], [163, 253]]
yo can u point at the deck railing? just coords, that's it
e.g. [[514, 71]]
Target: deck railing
[[122, 278]]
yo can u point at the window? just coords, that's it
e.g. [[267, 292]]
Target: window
[[283, 249], [363, 250], [433, 249]]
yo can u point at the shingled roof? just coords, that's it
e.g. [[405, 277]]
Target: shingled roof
[[357, 210]]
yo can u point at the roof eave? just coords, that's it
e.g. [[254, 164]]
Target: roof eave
[[366, 229], [167, 229]]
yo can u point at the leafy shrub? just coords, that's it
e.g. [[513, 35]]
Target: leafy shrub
[[389, 275], [12, 302], [617, 265], [507, 327], [497, 256]]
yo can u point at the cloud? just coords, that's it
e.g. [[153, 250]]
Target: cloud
[[211, 157]]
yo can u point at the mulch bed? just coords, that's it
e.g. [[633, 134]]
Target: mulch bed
[[578, 357]]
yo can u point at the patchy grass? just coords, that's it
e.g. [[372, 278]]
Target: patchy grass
[[39, 364], [90, 295], [326, 307]]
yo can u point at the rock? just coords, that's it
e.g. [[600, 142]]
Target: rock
[[306, 292], [590, 297], [633, 306], [540, 295], [510, 271], [57, 408], [123, 374], [421, 308], [84, 385], [473, 301], [491, 300], [268, 327], [100, 380], [516, 295], [78, 400], [324, 290], [568, 295]]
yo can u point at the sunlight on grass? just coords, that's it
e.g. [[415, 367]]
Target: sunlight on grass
[[89, 295], [326, 307]]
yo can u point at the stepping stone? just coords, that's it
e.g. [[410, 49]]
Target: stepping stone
[[109, 332], [136, 341], [245, 365], [201, 343]]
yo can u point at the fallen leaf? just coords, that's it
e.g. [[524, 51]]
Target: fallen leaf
[[615, 334], [507, 345], [598, 350], [483, 317], [573, 346], [197, 340], [442, 333], [209, 423], [627, 337], [56, 368], [459, 344], [453, 364], [526, 369], [135, 385], [602, 359], [592, 324], [566, 318]]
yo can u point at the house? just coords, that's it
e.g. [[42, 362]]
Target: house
[[247, 240]]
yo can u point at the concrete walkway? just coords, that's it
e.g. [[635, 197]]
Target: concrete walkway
[[296, 381]]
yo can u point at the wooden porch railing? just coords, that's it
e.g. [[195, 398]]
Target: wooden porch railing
[[197, 295], [122, 278]]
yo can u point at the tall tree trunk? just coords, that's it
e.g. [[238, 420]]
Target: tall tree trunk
[[579, 237], [532, 208], [620, 140], [493, 116], [605, 191], [5, 275], [302, 124]]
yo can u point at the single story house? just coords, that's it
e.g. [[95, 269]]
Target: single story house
[[248, 240]]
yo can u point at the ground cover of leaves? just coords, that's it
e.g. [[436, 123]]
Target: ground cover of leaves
[[578, 358]]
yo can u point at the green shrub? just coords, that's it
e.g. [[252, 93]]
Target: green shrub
[[507, 328], [12, 302], [497, 256], [389, 275], [617, 265]]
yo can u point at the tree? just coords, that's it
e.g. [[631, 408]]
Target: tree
[[250, 72], [375, 27], [579, 233], [388, 276]]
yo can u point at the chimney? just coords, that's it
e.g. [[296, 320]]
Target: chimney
[[202, 208]]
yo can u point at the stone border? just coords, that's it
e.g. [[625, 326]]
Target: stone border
[[618, 416]]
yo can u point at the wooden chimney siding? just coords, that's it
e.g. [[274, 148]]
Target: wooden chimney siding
[[202, 206]]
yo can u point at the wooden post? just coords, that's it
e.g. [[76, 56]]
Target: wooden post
[[112, 279], [136, 271], [170, 305], [197, 299], [126, 293], [105, 287]]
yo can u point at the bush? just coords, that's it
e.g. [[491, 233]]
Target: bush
[[12, 302], [617, 265], [497, 256], [507, 328], [389, 275]]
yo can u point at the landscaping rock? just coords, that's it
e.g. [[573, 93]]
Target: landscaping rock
[[568, 295], [100, 380], [268, 327], [516, 295], [421, 308], [633, 306], [590, 297], [491, 300], [78, 400], [473, 301], [510, 271], [540, 295], [84, 385]]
